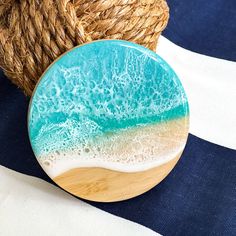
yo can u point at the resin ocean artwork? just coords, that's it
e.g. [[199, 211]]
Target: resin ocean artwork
[[108, 104]]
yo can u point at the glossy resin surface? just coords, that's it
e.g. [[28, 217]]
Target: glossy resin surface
[[111, 104]]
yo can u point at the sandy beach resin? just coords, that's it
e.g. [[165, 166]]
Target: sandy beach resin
[[112, 108]]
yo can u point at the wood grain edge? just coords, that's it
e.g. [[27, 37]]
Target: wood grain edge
[[104, 185]]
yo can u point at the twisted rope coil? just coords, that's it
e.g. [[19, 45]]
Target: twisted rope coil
[[33, 33]]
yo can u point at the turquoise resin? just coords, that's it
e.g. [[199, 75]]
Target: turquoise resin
[[101, 88]]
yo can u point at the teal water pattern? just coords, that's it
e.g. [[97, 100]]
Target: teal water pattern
[[99, 88]]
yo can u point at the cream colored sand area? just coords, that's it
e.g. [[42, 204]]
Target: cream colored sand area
[[157, 147], [131, 150]]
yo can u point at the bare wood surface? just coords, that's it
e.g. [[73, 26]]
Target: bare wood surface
[[103, 185]]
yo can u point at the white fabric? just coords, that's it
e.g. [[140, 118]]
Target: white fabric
[[30, 206], [210, 84]]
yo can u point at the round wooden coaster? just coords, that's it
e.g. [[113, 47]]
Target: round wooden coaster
[[108, 120]]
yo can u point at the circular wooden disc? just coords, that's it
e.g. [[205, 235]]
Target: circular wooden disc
[[108, 120]]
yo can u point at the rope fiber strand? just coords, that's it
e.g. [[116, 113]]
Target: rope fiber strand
[[33, 33]]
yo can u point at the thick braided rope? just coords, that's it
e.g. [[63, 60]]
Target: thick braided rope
[[33, 33]]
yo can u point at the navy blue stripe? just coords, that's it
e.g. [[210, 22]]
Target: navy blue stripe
[[206, 27], [197, 198]]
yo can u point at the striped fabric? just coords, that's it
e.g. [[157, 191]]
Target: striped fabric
[[199, 195]]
